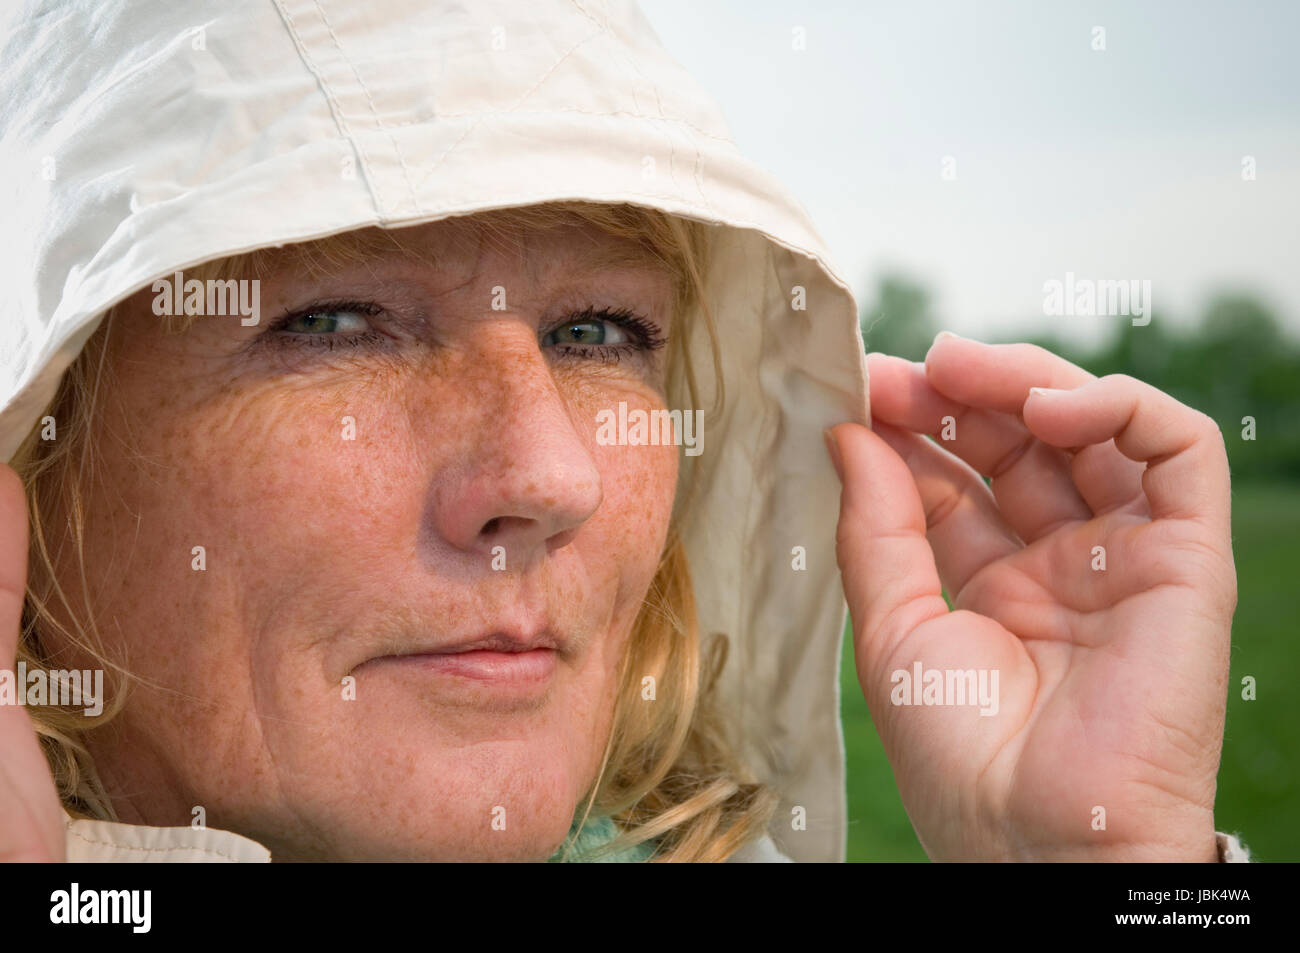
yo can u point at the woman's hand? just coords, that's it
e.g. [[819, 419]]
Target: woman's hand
[[31, 821], [1095, 578]]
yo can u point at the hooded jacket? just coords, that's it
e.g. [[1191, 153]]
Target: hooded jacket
[[140, 139]]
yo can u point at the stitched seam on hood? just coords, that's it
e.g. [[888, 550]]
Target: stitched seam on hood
[[442, 156], [631, 62], [401, 158], [152, 850], [336, 110], [561, 110]]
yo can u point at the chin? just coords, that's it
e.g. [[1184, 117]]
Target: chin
[[531, 837], [506, 801]]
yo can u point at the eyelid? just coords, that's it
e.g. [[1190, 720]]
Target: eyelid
[[644, 333], [647, 332], [367, 308]]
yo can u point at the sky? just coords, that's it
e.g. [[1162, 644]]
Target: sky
[[1117, 163]]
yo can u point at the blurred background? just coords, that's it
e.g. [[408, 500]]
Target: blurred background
[[958, 157]]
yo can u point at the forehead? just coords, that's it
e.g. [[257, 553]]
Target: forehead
[[466, 246]]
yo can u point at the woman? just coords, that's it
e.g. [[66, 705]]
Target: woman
[[418, 413]]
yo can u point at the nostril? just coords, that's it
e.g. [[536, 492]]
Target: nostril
[[491, 526]]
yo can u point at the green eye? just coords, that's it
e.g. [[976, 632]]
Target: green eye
[[586, 332], [327, 322]]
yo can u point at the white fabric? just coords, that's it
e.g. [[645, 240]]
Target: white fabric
[[1231, 850], [138, 139], [761, 851], [105, 842]]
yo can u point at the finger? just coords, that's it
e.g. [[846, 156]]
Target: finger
[[30, 817], [13, 562], [965, 530], [1186, 475], [998, 377], [1109, 481], [888, 568], [1032, 481]]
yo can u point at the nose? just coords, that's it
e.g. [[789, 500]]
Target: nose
[[526, 479]]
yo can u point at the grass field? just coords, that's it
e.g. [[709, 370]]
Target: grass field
[[1259, 797]]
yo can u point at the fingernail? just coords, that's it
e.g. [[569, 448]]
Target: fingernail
[[1046, 391], [833, 448], [946, 334]]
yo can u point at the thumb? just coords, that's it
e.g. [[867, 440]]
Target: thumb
[[13, 562], [890, 578], [31, 825]]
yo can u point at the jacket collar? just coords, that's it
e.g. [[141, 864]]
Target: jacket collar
[[90, 841]]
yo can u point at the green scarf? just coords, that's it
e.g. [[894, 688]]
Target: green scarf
[[598, 831]]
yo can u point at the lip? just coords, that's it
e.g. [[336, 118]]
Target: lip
[[505, 664], [505, 643], [513, 668]]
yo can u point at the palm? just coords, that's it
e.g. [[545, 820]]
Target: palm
[[1111, 680]]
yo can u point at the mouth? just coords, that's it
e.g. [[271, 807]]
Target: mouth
[[509, 663], [534, 666]]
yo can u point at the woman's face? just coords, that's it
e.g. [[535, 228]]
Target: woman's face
[[357, 478]]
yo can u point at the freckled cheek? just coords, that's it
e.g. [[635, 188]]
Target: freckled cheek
[[639, 484], [646, 480], [619, 550], [259, 480]]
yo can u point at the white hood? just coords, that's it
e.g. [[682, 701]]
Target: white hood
[[143, 138]]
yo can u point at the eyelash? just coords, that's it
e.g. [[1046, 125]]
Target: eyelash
[[328, 341], [646, 335]]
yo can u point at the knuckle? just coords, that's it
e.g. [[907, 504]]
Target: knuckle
[[1208, 430], [1035, 353], [1123, 381], [1209, 425]]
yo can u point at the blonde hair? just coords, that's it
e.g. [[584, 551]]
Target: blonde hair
[[669, 774]]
